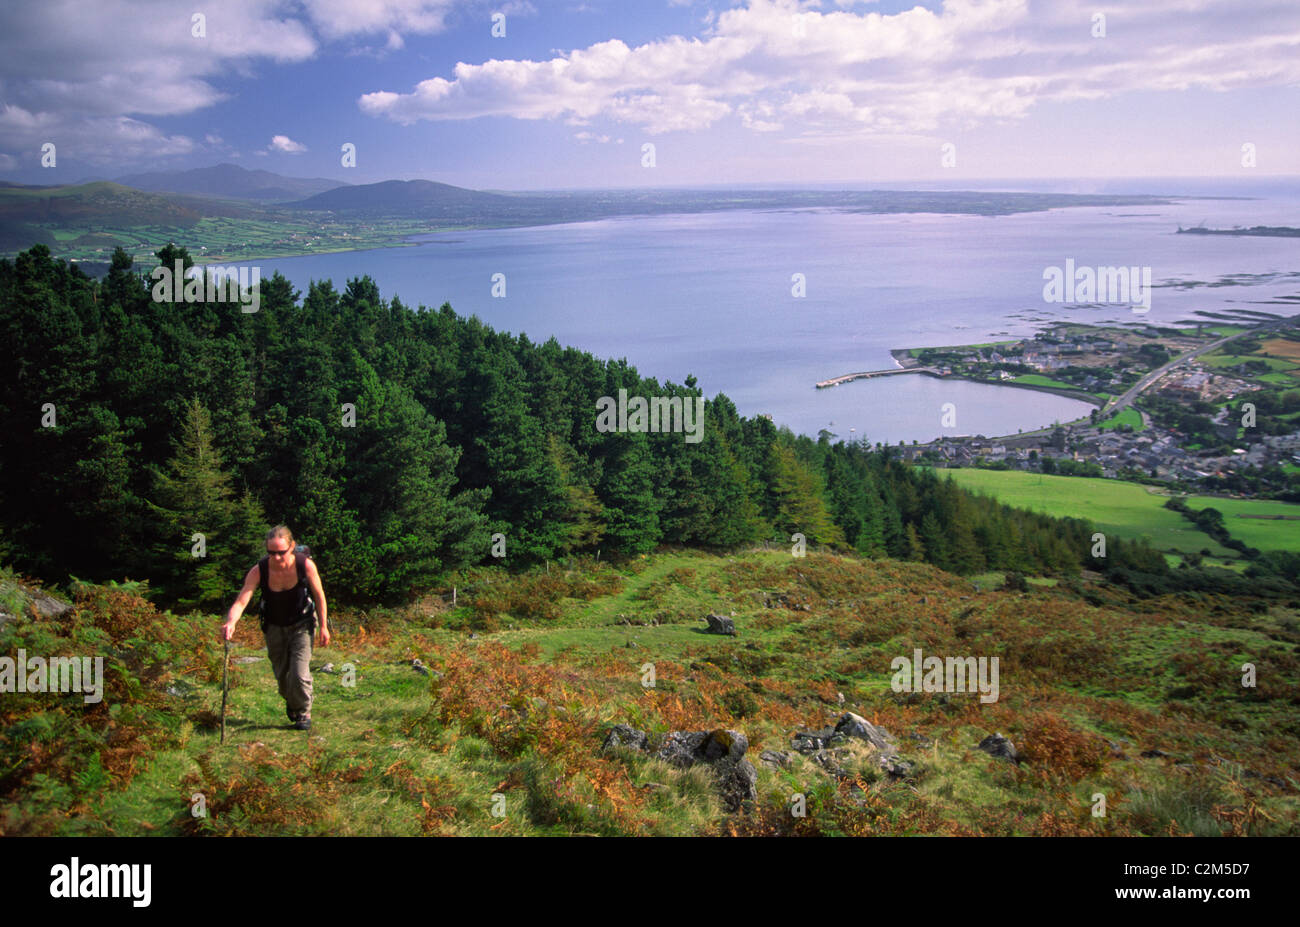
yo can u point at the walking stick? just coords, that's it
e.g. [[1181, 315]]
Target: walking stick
[[225, 663]]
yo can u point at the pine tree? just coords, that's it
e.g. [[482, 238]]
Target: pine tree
[[194, 497]]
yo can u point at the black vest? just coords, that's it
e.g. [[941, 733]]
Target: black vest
[[288, 606]]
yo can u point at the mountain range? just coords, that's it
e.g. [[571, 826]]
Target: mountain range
[[230, 180]]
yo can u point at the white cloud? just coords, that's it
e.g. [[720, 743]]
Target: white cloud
[[95, 139], [286, 144], [783, 65], [90, 72]]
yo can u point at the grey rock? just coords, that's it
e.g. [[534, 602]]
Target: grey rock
[[1153, 754], [327, 668], [832, 760], [721, 624], [418, 666], [851, 725], [806, 743], [998, 746], [776, 759], [623, 735], [895, 767], [724, 752], [46, 606], [686, 748]]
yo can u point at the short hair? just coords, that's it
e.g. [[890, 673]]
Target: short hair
[[281, 531]]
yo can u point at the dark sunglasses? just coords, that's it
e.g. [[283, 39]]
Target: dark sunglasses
[[276, 553]]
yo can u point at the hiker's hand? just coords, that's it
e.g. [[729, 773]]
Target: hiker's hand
[[324, 635], [227, 631]]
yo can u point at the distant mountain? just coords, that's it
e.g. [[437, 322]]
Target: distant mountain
[[76, 205], [231, 180], [415, 198], [92, 201]]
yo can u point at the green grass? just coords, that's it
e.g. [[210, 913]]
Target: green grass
[[520, 713], [1035, 379], [1127, 510], [1281, 534], [1130, 416], [1131, 511], [1231, 360]]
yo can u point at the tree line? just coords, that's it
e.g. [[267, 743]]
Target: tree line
[[142, 433]]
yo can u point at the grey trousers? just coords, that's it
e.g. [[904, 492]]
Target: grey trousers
[[289, 649]]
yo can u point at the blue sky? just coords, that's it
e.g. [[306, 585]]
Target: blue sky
[[755, 91]]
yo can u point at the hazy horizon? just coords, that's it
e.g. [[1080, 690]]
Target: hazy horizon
[[535, 95]]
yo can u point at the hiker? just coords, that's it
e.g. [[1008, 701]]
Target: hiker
[[292, 596]]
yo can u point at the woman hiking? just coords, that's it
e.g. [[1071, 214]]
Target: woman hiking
[[292, 596]]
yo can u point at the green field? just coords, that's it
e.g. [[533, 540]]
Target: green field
[[1130, 511], [1035, 379], [1129, 416], [1266, 534], [1275, 364]]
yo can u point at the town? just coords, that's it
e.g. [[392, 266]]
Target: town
[[1213, 407]]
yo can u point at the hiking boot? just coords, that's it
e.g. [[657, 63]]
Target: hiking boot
[[302, 723], [293, 715]]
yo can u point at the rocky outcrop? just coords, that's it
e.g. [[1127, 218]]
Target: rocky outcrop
[[848, 726], [723, 751], [998, 746], [828, 747], [623, 735], [720, 624], [32, 602]]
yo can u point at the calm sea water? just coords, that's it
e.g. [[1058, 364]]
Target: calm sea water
[[712, 295]]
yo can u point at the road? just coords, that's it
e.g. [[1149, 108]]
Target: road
[[1122, 402]]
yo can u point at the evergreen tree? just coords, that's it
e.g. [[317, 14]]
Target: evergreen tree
[[194, 497]]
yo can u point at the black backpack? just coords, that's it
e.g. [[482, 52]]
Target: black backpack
[[306, 604]]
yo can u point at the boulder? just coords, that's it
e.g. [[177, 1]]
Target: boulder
[[724, 752], [46, 606], [624, 735], [721, 750], [851, 725], [848, 726], [776, 759], [999, 746], [721, 624], [833, 760], [894, 767]]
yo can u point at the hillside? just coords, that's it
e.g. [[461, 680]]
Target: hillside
[[423, 198], [230, 180], [29, 213], [505, 701]]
